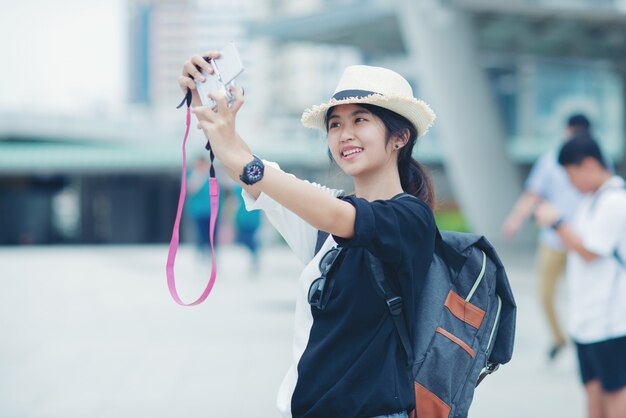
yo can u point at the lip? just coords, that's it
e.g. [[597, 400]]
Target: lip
[[349, 148]]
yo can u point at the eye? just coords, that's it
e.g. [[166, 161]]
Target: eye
[[332, 125], [357, 120]]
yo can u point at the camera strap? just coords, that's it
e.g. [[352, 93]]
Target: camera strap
[[214, 191]]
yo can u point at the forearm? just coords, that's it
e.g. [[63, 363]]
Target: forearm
[[253, 190], [524, 206], [574, 242], [310, 203]]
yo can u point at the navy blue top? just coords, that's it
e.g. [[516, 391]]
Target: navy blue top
[[354, 364]]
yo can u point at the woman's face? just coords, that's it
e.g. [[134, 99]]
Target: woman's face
[[356, 139]]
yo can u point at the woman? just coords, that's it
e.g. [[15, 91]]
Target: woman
[[347, 360]]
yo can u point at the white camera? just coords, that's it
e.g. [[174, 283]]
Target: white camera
[[225, 69]]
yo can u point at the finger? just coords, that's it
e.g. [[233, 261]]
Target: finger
[[234, 84], [190, 70], [203, 125], [202, 64], [211, 55], [203, 113], [237, 93], [221, 104], [186, 83]]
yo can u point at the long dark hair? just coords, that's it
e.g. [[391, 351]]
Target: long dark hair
[[414, 176]]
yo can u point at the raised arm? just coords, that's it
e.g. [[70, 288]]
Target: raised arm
[[313, 205]]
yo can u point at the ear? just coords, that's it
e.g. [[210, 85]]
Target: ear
[[400, 140]]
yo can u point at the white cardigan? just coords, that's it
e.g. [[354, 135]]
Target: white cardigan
[[301, 238]]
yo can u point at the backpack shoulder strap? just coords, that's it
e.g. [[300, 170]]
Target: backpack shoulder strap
[[619, 258], [616, 253], [394, 303]]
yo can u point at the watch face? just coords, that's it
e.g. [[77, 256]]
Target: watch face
[[255, 172]]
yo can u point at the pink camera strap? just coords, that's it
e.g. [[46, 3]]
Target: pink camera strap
[[171, 255]]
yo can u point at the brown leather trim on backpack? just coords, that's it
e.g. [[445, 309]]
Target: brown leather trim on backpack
[[465, 311], [427, 404], [456, 340]]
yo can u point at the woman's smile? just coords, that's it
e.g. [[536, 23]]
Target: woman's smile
[[350, 152]]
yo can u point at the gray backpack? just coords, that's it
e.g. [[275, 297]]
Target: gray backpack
[[465, 322]]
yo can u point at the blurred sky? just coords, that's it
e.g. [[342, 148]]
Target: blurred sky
[[63, 56]]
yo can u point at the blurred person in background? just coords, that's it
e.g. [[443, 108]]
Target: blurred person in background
[[596, 274], [198, 206], [246, 228], [347, 357], [548, 181]]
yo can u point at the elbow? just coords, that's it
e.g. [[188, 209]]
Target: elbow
[[588, 256], [341, 221]]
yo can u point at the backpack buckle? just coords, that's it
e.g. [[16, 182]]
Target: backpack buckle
[[487, 370], [395, 305], [491, 367]]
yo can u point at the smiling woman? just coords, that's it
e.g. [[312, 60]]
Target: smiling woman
[[372, 123]]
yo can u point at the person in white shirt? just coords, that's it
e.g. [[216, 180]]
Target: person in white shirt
[[596, 274], [548, 181]]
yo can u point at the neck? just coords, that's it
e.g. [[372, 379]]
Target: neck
[[380, 185], [602, 178]]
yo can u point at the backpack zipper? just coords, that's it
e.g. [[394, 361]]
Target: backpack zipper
[[495, 324], [479, 279]]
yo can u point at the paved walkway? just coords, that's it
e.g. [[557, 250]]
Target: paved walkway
[[92, 332]]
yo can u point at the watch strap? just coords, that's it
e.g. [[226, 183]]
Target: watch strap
[[244, 175], [556, 224]]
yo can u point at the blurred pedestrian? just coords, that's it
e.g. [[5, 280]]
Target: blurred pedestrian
[[348, 360], [596, 274], [198, 206], [548, 181], [246, 228]]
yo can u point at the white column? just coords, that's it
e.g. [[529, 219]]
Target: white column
[[440, 42]]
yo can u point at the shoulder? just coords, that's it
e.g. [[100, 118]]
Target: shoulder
[[404, 203], [609, 202], [414, 204], [614, 195], [409, 208], [402, 214], [389, 228], [547, 162]]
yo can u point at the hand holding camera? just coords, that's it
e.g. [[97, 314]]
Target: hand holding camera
[[215, 72], [208, 81]]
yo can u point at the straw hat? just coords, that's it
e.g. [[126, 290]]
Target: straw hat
[[377, 86]]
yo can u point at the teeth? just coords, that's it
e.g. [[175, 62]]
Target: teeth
[[352, 151]]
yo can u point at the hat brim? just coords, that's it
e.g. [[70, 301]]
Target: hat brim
[[416, 111]]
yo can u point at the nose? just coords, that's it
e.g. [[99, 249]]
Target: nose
[[346, 135]]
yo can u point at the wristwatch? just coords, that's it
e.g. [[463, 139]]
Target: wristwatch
[[253, 171], [556, 224]]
